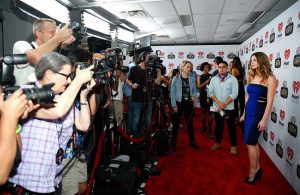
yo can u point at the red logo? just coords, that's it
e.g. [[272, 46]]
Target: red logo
[[272, 135], [181, 53], [271, 57], [221, 53], [287, 54], [290, 153], [257, 40], [266, 34], [200, 53], [171, 65], [280, 25], [299, 15], [282, 115], [296, 86], [162, 53]]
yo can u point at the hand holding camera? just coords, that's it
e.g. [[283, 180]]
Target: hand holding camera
[[84, 75], [15, 105]]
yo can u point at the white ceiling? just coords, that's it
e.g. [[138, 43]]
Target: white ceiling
[[212, 21]]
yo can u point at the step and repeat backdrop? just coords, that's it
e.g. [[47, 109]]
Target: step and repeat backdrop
[[280, 40], [172, 56]]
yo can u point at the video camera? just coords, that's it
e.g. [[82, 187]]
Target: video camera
[[36, 95], [153, 62]]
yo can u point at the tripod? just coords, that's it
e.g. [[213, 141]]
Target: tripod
[[160, 136]]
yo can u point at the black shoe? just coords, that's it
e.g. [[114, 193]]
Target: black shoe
[[194, 145], [253, 179], [155, 171]]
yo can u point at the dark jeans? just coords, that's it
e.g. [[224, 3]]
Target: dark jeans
[[187, 109], [220, 120]]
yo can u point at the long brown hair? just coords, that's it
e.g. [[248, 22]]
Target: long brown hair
[[264, 67]]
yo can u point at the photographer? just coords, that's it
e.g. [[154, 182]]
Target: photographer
[[15, 107], [46, 133], [47, 38], [141, 93]]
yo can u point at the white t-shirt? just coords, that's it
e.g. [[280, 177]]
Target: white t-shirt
[[23, 73], [120, 91]]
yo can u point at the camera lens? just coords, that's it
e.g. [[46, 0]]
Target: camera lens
[[39, 95]]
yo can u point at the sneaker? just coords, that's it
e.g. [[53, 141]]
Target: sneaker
[[217, 146], [233, 150]]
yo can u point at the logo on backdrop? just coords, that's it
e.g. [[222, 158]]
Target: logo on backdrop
[[270, 58], [279, 150], [272, 137], [284, 91], [257, 41], [287, 53], [272, 36], [210, 55], [274, 115], [266, 37], [298, 27], [279, 27], [200, 54], [296, 60], [278, 60], [290, 156], [191, 55], [298, 171], [261, 42], [181, 54], [162, 54], [281, 117], [171, 65], [295, 95], [231, 55], [171, 55], [247, 49], [289, 27], [221, 53], [292, 127], [253, 46], [277, 84], [265, 136]]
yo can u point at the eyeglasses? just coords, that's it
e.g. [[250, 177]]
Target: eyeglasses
[[65, 75], [222, 67]]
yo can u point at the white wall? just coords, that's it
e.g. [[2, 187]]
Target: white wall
[[281, 146]]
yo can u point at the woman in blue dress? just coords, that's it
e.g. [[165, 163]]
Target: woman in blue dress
[[260, 95]]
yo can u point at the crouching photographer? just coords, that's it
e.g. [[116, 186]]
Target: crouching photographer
[[46, 131]]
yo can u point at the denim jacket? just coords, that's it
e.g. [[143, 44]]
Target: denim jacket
[[176, 89], [229, 88]]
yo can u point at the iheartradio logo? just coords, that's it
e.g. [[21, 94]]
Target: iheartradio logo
[[272, 135], [200, 53], [282, 115], [287, 53], [181, 53], [171, 65], [270, 57], [290, 153], [280, 26], [266, 35], [221, 53], [296, 86]]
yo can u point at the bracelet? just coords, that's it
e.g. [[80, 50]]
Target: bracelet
[[19, 129]]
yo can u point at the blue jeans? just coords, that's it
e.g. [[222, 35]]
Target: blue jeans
[[137, 120]]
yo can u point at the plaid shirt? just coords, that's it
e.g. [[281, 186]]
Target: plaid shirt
[[41, 140]]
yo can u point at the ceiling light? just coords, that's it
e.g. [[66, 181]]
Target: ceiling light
[[61, 12], [233, 20], [186, 20]]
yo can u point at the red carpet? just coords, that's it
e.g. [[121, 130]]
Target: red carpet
[[203, 171]]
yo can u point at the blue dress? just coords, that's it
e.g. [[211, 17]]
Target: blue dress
[[254, 111]]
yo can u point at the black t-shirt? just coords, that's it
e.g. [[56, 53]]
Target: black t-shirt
[[185, 89], [138, 75]]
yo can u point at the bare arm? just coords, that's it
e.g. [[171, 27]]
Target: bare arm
[[11, 110], [66, 99], [62, 35], [272, 85]]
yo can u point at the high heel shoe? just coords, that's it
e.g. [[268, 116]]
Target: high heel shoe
[[251, 180]]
